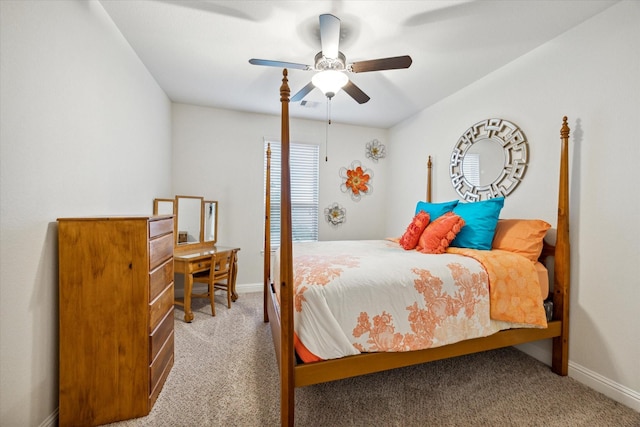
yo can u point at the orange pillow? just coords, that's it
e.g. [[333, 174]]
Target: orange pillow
[[409, 239], [435, 239], [522, 236]]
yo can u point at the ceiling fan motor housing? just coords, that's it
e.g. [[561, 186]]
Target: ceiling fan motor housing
[[323, 63]]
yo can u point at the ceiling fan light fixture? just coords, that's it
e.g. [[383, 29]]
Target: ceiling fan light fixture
[[329, 81]]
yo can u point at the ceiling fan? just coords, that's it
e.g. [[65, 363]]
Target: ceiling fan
[[332, 65]]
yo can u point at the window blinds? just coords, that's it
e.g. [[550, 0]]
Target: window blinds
[[305, 181]]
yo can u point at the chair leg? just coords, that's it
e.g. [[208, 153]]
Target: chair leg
[[228, 296], [212, 299]]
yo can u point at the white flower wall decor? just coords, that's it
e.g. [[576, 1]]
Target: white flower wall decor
[[375, 150], [335, 215]]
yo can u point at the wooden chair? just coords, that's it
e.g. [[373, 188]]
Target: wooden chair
[[219, 276]]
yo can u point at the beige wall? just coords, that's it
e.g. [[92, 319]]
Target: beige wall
[[589, 74], [219, 154], [85, 130]]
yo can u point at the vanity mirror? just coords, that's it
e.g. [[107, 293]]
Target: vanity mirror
[[489, 160], [210, 216], [189, 219], [195, 219], [164, 206]]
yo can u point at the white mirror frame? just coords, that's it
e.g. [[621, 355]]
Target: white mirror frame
[[516, 154]]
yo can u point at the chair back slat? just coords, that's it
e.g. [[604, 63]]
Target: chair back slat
[[219, 276]]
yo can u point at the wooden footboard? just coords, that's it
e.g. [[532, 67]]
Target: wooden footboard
[[281, 315], [367, 363]]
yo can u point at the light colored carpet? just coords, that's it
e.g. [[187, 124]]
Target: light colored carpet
[[225, 374]]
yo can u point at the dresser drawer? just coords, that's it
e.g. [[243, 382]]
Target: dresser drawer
[[159, 307], [159, 336], [160, 227], [160, 249], [160, 364], [160, 278]]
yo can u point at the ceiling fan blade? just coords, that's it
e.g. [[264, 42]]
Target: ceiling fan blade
[[302, 92], [329, 35], [356, 93], [279, 64], [394, 63]]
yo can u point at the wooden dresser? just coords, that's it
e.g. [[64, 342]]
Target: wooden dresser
[[116, 316]]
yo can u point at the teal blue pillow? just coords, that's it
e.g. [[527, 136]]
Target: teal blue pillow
[[435, 209], [481, 219]]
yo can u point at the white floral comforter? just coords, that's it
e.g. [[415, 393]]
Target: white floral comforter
[[372, 295]]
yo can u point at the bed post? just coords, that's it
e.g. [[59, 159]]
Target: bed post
[[267, 233], [287, 382], [562, 261], [429, 166]]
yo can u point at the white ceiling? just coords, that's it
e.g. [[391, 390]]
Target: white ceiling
[[198, 50]]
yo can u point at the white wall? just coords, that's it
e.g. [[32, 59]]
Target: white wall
[[219, 154], [84, 130], [592, 75]]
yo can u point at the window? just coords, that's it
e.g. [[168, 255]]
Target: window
[[305, 181]]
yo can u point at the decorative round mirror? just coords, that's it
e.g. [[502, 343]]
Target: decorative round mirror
[[489, 160]]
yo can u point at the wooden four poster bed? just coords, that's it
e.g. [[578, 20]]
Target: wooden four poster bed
[[279, 299]]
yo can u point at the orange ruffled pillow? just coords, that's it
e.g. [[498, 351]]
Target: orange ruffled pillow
[[522, 236], [435, 239], [409, 239]]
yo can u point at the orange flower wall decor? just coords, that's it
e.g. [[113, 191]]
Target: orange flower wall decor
[[356, 180]]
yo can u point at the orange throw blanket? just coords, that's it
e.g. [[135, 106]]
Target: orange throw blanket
[[514, 291]]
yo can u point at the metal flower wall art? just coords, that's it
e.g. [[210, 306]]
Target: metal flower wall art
[[335, 214], [375, 150], [356, 180]]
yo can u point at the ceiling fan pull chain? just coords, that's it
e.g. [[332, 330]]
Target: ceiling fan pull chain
[[326, 135]]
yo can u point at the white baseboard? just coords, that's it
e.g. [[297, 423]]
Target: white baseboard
[[249, 287], [591, 379], [51, 420], [604, 385], [241, 289]]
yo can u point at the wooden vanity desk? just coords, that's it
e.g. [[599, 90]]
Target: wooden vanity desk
[[196, 233], [192, 260]]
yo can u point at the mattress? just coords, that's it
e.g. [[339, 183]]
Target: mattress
[[371, 295]]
